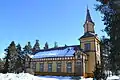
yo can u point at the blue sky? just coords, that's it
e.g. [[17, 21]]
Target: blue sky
[[46, 20]]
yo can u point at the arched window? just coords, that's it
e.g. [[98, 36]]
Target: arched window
[[87, 46], [58, 67], [69, 67], [41, 67], [49, 67]]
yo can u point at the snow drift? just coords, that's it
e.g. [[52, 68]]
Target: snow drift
[[21, 76], [27, 76]]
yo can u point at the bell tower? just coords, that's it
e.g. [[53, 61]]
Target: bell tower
[[89, 24], [90, 44]]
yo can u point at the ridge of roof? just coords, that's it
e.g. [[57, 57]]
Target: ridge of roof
[[58, 48]]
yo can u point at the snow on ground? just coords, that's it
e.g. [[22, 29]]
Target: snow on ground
[[21, 76], [113, 78], [27, 76]]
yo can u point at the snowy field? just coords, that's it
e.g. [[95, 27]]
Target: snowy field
[[26, 76], [22, 76]]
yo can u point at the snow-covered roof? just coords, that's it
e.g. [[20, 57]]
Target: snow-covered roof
[[59, 52]]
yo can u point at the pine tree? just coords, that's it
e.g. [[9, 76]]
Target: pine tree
[[36, 46], [20, 59], [97, 72], [111, 18], [46, 46], [7, 59], [104, 52], [1, 65], [11, 58], [28, 49], [29, 46], [55, 45]]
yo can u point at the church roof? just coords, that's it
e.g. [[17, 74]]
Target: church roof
[[88, 17], [57, 52], [89, 34]]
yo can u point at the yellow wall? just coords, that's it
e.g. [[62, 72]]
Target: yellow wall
[[91, 62], [73, 63], [89, 27], [93, 54], [54, 66], [63, 66], [37, 66], [88, 40], [45, 67]]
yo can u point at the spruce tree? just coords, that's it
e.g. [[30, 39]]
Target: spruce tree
[[7, 59], [20, 59], [111, 18], [46, 46], [11, 58], [55, 45], [97, 72], [28, 49], [104, 52], [36, 46]]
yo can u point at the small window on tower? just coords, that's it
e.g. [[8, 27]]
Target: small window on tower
[[78, 55], [97, 47], [87, 46]]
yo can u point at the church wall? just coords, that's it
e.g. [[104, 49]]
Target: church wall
[[88, 40], [84, 66], [73, 66], [37, 66], [54, 66], [98, 50], [63, 66], [54, 62], [88, 27], [91, 62], [45, 67], [93, 53]]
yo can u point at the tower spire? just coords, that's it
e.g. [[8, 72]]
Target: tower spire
[[89, 24], [88, 17]]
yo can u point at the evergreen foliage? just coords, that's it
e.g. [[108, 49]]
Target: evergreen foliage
[[27, 49], [46, 46], [97, 72], [55, 45], [13, 59], [20, 59], [111, 17], [104, 52], [7, 59], [36, 46]]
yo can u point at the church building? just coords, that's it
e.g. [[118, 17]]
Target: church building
[[73, 60]]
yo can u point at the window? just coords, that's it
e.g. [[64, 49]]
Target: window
[[97, 47], [49, 67], [79, 63], [87, 46], [69, 67], [58, 67], [34, 66], [27, 64], [78, 56], [41, 67]]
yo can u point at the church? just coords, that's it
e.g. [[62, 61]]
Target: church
[[73, 60]]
